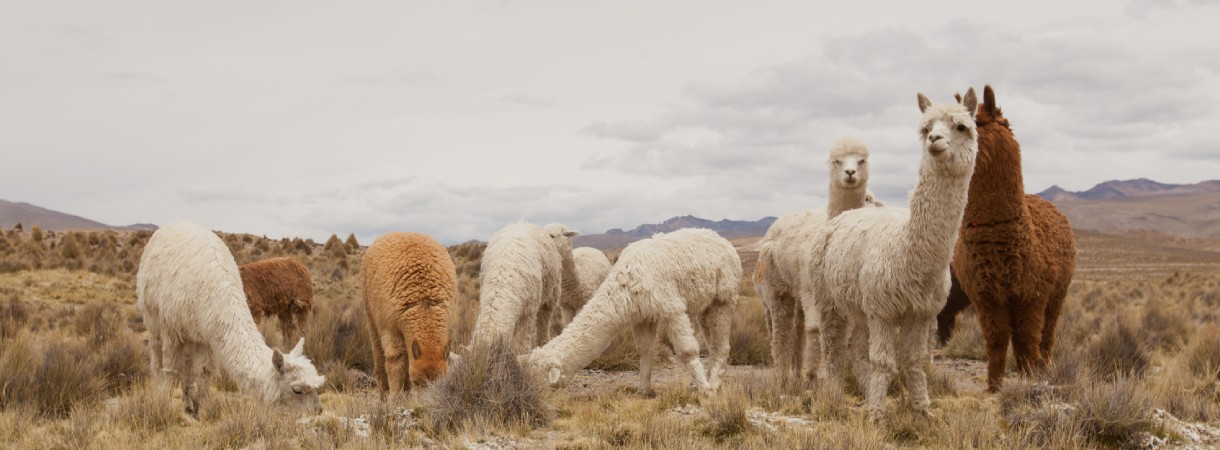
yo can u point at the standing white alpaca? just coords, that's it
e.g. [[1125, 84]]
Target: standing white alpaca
[[519, 287], [582, 274], [889, 267], [190, 294], [666, 281], [784, 256]]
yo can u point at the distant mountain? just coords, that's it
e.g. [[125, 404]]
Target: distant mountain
[[1129, 188], [1191, 210], [616, 237], [31, 215]]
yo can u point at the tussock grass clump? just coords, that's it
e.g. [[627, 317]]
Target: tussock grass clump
[[1120, 349], [14, 316], [1115, 413], [52, 378], [338, 332], [749, 341], [727, 417], [1203, 355], [124, 361], [488, 385], [148, 410]]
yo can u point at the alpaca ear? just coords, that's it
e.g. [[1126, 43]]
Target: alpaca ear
[[924, 103], [957, 96], [571, 233], [989, 99], [277, 360], [299, 349], [553, 376], [971, 102]]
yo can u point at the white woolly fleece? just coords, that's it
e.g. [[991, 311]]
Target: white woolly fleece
[[520, 286], [190, 294], [667, 281], [589, 269]]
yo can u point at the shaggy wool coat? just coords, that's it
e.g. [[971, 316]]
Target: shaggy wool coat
[[520, 279], [662, 283], [279, 287], [409, 283], [190, 293], [588, 269]]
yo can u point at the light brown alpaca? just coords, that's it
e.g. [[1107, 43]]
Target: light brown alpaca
[[409, 282], [279, 287], [1016, 253]]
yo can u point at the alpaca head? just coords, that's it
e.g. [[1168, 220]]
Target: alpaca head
[[848, 164], [949, 135], [871, 200], [428, 359], [545, 364], [298, 381], [562, 237]]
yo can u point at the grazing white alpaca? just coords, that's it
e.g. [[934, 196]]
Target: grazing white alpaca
[[519, 287], [666, 281], [887, 269], [580, 279], [784, 256], [190, 294]]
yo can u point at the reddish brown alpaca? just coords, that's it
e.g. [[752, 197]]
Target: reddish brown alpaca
[[279, 287], [1015, 255]]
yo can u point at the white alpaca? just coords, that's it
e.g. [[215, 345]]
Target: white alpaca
[[581, 278], [887, 269], [784, 256], [667, 281], [519, 287], [190, 294]]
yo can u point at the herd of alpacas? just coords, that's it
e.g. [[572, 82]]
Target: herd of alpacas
[[858, 286]]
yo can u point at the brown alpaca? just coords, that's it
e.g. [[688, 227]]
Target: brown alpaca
[[408, 282], [1015, 255], [279, 287]]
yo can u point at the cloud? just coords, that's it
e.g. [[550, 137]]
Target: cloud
[[524, 99], [1068, 86]]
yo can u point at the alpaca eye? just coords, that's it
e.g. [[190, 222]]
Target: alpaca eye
[[961, 128], [838, 163], [297, 390], [863, 162]]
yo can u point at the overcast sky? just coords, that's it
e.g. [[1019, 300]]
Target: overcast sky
[[454, 118]]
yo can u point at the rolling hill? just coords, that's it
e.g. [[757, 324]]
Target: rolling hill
[[12, 213], [1190, 210], [617, 238]]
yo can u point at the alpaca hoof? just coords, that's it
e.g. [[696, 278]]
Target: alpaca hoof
[[925, 413]]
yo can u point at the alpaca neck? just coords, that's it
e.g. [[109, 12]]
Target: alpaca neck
[[570, 283], [936, 216], [244, 355], [599, 322], [844, 199], [997, 190]]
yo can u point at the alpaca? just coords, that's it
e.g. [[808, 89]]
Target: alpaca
[[589, 268], [887, 269], [409, 282], [520, 280], [190, 293], [784, 255], [1015, 257], [664, 282], [279, 287]]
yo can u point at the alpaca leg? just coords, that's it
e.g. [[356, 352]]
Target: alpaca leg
[[718, 325], [155, 351], [881, 354], [1027, 338], [525, 334], [858, 338], [795, 335], [811, 344], [914, 351], [997, 330], [780, 312], [645, 342], [833, 327], [686, 349], [946, 320], [202, 373], [286, 331], [184, 366], [1053, 307], [395, 348], [383, 382], [543, 323]]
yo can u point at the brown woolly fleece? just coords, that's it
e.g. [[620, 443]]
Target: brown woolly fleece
[[279, 287], [1015, 256], [408, 282]]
